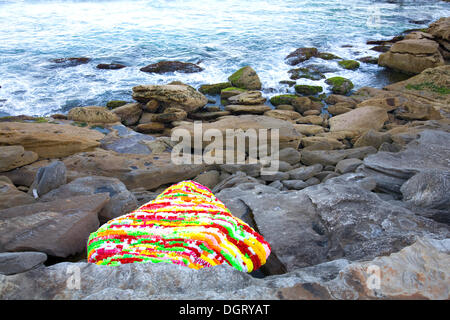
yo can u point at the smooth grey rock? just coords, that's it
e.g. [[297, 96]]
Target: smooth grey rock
[[428, 189], [124, 140], [289, 155], [121, 200], [312, 181], [252, 169], [17, 262], [348, 165], [295, 184], [48, 178], [276, 184], [59, 228], [332, 157], [277, 176], [304, 173], [233, 180]]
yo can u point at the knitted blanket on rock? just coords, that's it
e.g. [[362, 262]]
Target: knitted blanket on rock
[[185, 225]]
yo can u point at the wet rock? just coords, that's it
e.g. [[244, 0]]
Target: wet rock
[[301, 55], [284, 99], [110, 66], [72, 61], [245, 78], [121, 201], [59, 228], [172, 66], [308, 90], [12, 157], [305, 73], [214, 89], [349, 64], [18, 262], [340, 85], [115, 104]]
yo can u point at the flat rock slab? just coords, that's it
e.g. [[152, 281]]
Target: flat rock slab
[[49, 140], [391, 169], [17, 262], [59, 228], [124, 140]]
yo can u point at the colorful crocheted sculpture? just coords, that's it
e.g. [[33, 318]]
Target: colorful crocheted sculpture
[[185, 225]]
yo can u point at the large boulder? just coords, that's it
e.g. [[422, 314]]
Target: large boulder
[[121, 200], [245, 78], [171, 95], [301, 55], [412, 56], [49, 140], [14, 157], [129, 114], [48, 178], [360, 119], [17, 262], [59, 228]]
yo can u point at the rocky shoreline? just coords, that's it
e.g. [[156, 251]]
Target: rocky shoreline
[[362, 181]]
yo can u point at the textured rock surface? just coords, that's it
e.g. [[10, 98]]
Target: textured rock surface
[[360, 119], [391, 169], [12, 157], [11, 197], [17, 262], [92, 114], [59, 228], [245, 78], [178, 96], [49, 140], [121, 200], [48, 178]]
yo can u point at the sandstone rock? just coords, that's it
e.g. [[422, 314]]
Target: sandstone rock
[[59, 228], [48, 178], [316, 120], [338, 108], [372, 138], [92, 114], [172, 66], [11, 197], [143, 171], [179, 96], [245, 78], [288, 137], [150, 127], [308, 129], [412, 56], [248, 98], [210, 115], [129, 114], [49, 140], [121, 201], [18, 262], [249, 109], [440, 28], [321, 143], [283, 114], [360, 119], [170, 115], [12, 157]]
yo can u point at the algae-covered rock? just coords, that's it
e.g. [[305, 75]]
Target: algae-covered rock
[[305, 73], [115, 104], [308, 90], [328, 56], [245, 78], [282, 99], [301, 55], [349, 64], [340, 85], [214, 89]]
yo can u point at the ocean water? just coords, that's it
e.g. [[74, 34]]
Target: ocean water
[[221, 36]]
